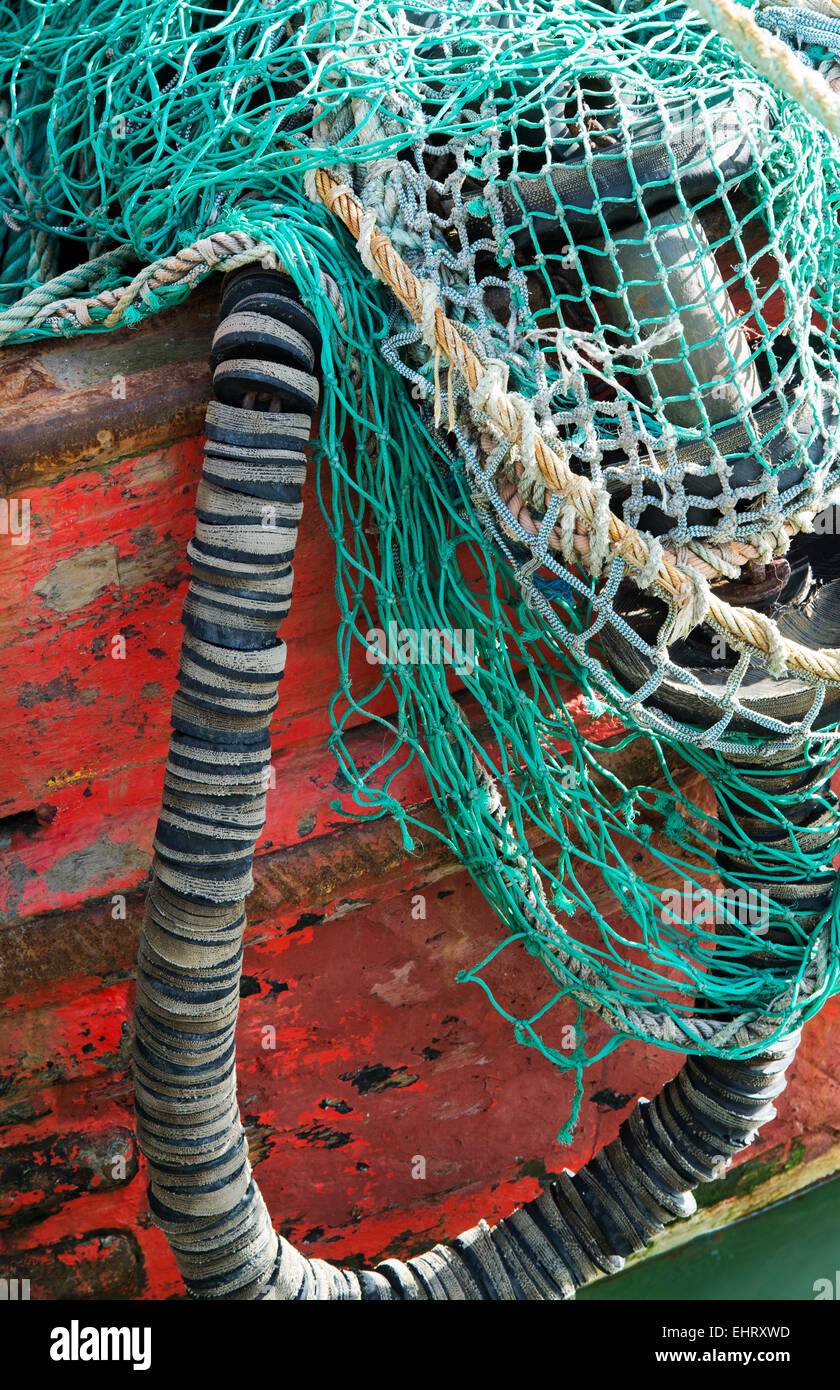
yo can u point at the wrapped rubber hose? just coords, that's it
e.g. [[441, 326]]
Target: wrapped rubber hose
[[201, 1188]]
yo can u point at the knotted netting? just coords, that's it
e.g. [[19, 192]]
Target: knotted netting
[[633, 236]]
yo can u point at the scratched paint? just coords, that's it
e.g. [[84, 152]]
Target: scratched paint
[[354, 1085], [377, 1057]]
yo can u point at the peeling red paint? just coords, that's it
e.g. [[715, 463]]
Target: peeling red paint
[[379, 1056]]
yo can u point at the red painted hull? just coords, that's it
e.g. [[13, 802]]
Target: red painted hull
[[387, 1106]]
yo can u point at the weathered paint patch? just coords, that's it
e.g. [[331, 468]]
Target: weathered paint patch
[[40, 1175], [94, 866], [371, 1080], [74, 583]]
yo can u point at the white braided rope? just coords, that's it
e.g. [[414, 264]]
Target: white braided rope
[[772, 57]]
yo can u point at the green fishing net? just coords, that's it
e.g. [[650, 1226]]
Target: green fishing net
[[637, 235]]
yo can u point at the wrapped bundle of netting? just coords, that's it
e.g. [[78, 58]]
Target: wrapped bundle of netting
[[583, 338]]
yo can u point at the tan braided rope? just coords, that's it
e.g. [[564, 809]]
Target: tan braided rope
[[222, 251], [743, 628]]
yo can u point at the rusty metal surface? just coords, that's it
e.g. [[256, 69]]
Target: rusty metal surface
[[82, 402]]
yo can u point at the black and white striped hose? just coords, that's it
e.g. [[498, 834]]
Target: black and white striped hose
[[201, 1188]]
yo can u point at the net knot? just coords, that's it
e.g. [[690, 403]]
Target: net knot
[[776, 655], [492, 378], [367, 225], [429, 304], [647, 575], [689, 613]]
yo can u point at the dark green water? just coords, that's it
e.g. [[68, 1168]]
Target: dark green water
[[779, 1254]]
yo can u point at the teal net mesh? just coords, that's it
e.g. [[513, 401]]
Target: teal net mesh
[[637, 235]]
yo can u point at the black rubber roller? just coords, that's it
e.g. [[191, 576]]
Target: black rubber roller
[[292, 388], [280, 481], [787, 438], [271, 294], [258, 335], [649, 159], [234, 429]]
